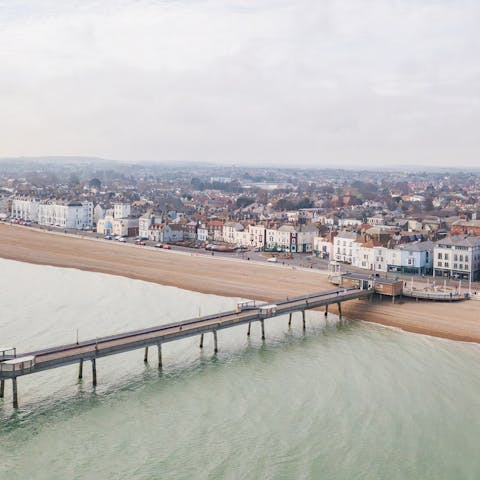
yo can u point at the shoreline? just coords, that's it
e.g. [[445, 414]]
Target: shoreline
[[231, 278]]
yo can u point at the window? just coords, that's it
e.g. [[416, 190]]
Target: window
[[446, 264], [466, 258], [455, 257], [446, 256], [439, 256], [440, 264], [455, 266]]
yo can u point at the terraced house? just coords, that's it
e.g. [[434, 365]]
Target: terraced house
[[457, 257]]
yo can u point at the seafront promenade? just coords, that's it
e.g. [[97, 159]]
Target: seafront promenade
[[460, 321]]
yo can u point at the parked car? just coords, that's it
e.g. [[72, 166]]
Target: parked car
[[167, 247], [158, 245], [108, 237], [122, 239], [138, 242]]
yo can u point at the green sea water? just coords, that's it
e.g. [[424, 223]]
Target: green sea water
[[340, 401]]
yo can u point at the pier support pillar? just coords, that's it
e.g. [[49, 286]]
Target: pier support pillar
[[215, 341], [339, 304], [263, 329], [2, 388], [145, 357], [15, 392], [80, 369], [201, 340], [160, 364], [303, 319], [94, 372], [249, 328], [326, 310], [290, 319]]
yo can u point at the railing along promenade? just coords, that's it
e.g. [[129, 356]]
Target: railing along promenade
[[13, 365]]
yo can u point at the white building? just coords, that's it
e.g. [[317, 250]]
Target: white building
[[457, 257], [98, 213], [415, 258], [257, 236], [290, 239], [370, 255], [323, 247], [377, 219], [166, 233], [306, 235], [229, 231], [4, 206], [145, 222], [243, 238], [279, 239], [123, 227], [25, 209], [343, 245], [72, 215], [349, 222], [202, 233], [121, 210]]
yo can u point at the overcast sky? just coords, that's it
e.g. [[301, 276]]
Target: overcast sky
[[312, 82]]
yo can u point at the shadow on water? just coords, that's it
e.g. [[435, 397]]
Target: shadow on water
[[38, 412]]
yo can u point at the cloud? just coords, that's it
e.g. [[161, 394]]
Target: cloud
[[338, 81]]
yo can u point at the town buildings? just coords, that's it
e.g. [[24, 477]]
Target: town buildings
[[70, 215], [343, 246], [457, 257]]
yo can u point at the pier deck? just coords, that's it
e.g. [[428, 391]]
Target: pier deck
[[246, 313]]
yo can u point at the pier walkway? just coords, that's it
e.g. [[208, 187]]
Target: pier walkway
[[13, 365]]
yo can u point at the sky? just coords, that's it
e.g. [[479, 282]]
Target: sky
[[288, 82]]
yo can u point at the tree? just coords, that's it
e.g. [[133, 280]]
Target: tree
[[197, 184], [95, 183], [243, 202], [305, 202]]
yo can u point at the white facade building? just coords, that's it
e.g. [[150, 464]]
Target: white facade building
[[25, 209], [290, 239], [457, 257], [145, 222], [98, 213], [202, 233], [349, 222], [72, 215], [343, 246], [323, 247], [230, 230], [370, 256], [121, 210], [279, 239], [257, 233]]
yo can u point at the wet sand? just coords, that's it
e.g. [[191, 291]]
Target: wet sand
[[232, 278]]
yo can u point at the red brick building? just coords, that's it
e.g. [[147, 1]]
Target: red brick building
[[466, 227]]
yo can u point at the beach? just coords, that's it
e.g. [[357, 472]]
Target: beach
[[231, 278]]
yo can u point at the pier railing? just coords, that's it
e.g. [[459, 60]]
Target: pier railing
[[13, 366]]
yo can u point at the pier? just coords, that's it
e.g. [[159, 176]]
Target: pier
[[14, 365]]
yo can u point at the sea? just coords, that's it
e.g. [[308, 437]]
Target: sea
[[342, 400]]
